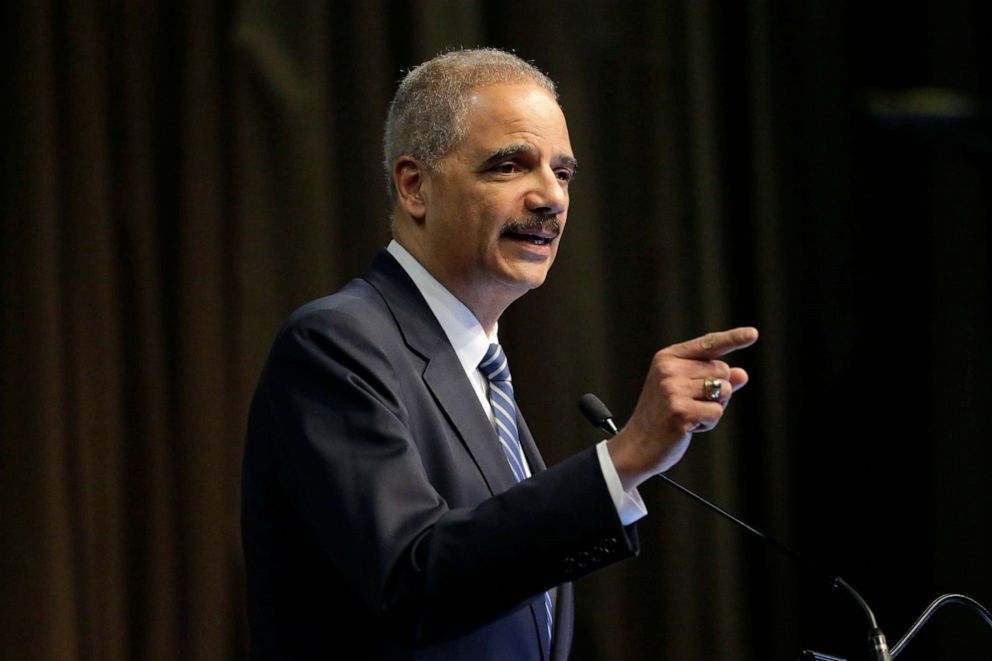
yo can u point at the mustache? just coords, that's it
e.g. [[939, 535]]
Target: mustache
[[547, 224]]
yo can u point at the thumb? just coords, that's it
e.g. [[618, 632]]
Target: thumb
[[738, 378]]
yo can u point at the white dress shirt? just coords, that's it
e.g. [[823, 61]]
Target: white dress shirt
[[470, 343]]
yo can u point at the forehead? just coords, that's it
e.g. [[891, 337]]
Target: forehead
[[513, 113]]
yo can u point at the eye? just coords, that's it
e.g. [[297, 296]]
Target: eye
[[506, 167], [564, 175]]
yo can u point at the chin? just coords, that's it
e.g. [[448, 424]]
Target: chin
[[528, 279], [522, 275]]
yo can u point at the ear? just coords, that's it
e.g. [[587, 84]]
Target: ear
[[411, 185]]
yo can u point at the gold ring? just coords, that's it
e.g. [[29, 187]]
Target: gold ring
[[712, 389]]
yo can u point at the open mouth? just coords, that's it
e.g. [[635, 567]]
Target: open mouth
[[536, 239]]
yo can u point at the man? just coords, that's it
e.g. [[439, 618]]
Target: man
[[394, 503]]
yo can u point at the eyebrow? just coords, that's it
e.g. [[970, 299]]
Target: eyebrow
[[510, 152]]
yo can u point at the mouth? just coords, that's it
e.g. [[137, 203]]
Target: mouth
[[538, 233]]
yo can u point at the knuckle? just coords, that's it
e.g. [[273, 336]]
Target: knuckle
[[715, 412], [664, 358], [682, 410], [664, 363], [722, 369], [669, 385]]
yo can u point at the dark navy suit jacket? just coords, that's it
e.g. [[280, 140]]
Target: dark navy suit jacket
[[380, 519]]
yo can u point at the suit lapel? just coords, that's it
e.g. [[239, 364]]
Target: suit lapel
[[445, 378], [443, 373], [454, 394]]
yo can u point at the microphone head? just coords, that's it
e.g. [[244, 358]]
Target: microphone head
[[595, 411]]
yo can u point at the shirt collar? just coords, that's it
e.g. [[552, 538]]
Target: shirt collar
[[463, 330]]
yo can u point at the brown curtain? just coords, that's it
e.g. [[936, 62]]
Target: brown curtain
[[177, 178]]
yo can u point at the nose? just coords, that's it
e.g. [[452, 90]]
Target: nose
[[549, 196]]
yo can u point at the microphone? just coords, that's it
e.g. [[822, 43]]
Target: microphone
[[598, 414]]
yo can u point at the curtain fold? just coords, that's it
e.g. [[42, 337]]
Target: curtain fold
[[178, 178]]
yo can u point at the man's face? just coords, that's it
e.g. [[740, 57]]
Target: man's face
[[496, 206]]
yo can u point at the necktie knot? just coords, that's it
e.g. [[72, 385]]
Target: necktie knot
[[494, 364]]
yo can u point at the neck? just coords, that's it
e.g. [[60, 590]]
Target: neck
[[486, 303], [487, 319]]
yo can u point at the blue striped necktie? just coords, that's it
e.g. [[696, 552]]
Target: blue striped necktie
[[496, 368]]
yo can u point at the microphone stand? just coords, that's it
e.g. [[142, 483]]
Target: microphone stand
[[599, 415]]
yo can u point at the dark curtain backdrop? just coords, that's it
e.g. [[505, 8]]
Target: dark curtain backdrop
[[179, 176]]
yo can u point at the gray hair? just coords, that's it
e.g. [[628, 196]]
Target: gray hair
[[427, 115]]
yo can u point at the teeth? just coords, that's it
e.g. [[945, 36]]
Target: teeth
[[536, 240]]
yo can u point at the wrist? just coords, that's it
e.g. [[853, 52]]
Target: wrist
[[625, 460]]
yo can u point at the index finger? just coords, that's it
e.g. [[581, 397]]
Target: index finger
[[716, 344]]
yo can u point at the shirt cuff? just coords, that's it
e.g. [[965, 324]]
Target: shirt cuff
[[630, 507]]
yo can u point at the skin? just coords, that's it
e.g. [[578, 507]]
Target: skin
[[514, 165], [514, 168], [672, 407]]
